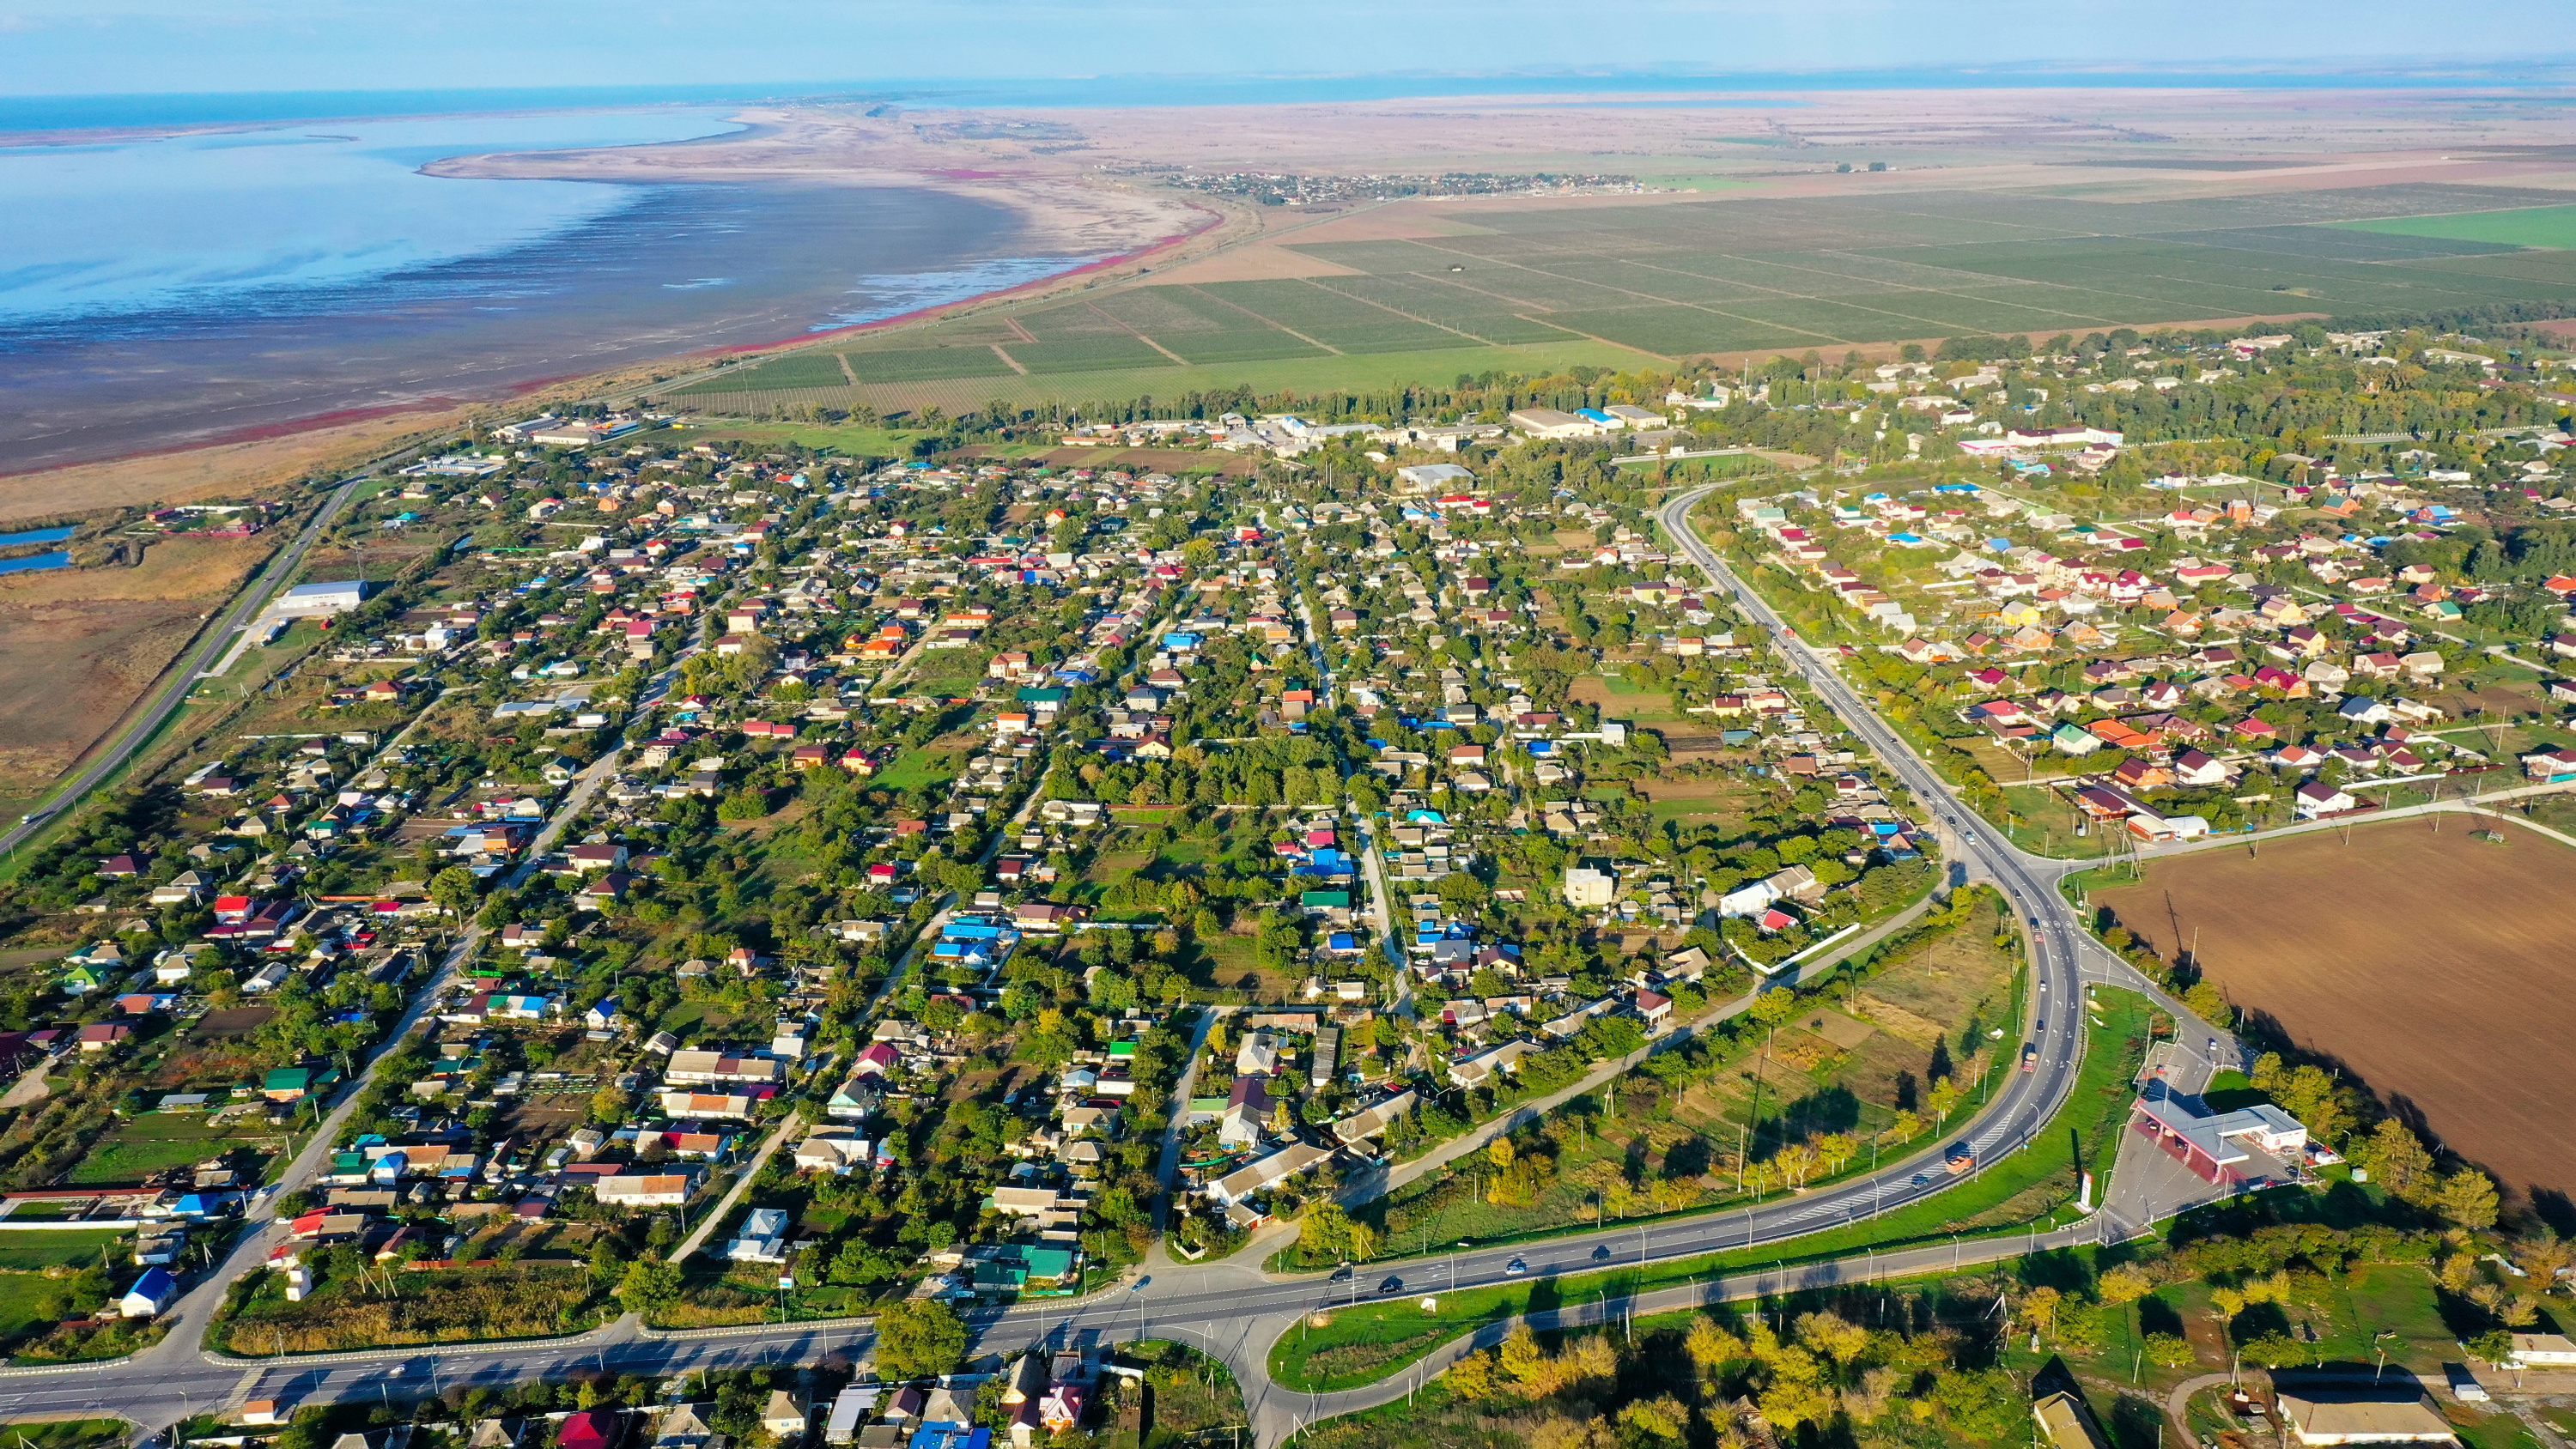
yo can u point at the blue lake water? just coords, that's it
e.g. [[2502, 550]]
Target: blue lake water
[[159, 291], [34, 561], [189, 220], [36, 535]]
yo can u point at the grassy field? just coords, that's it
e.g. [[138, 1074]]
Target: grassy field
[[526, 1300], [2361, 952], [2042, 824], [67, 1433], [917, 768], [155, 1142], [1365, 1344], [65, 1247], [22, 1300]]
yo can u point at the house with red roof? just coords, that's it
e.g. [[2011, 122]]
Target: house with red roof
[[591, 1429]]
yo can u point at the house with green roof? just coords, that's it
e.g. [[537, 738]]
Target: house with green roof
[[294, 1084]]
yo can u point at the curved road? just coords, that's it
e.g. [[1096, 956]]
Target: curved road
[[1231, 1309]]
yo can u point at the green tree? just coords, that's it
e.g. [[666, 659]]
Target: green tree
[[650, 1286], [2125, 1284], [2397, 1160], [2468, 1199], [1979, 1403], [1774, 1006], [452, 890], [918, 1339], [2170, 1350]]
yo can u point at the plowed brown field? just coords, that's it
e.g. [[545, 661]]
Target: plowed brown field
[[2437, 967]]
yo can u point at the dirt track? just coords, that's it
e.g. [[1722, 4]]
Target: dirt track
[[2432, 966]]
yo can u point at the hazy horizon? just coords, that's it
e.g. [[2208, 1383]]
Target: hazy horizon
[[71, 111], [74, 48]]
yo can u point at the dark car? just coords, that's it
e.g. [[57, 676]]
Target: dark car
[[1391, 1285]]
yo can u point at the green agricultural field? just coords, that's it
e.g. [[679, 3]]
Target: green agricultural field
[[917, 364], [2524, 226], [796, 369], [1547, 287], [1088, 354]]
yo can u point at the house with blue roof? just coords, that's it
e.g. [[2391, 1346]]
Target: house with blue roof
[[151, 1295]]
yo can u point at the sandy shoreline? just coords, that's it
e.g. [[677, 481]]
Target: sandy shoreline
[[1065, 212]]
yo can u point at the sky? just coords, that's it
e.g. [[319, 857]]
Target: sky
[[89, 47]]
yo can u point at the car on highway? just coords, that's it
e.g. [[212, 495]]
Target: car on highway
[[1391, 1285], [1960, 1158], [1341, 1274], [1516, 1267], [2030, 1056], [1601, 1254]]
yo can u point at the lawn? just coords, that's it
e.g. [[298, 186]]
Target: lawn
[[2396, 1297], [917, 769], [1366, 1343]]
